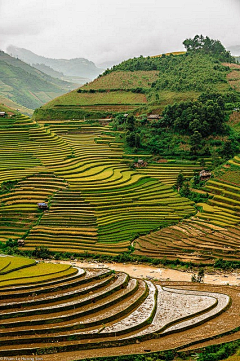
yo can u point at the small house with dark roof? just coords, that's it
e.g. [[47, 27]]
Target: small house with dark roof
[[42, 205], [205, 174]]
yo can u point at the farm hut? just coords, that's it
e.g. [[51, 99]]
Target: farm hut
[[153, 116], [3, 114], [140, 163], [205, 174], [42, 205], [20, 242]]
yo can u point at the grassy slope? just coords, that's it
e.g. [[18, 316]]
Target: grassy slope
[[118, 97], [13, 106], [123, 80], [8, 110], [26, 85], [181, 77]]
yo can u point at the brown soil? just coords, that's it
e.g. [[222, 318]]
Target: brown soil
[[223, 323], [163, 274]]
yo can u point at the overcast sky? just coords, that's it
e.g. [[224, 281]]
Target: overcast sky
[[106, 30]]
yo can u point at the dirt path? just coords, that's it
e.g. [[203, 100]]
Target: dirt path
[[162, 274]]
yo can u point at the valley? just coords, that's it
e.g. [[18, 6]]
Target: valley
[[119, 211]]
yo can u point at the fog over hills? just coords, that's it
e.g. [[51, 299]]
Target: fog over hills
[[78, 70]]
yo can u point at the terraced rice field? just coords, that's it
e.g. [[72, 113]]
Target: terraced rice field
[[60, 308], [97, 204], [192, 240], [214, 231], [168, 172]]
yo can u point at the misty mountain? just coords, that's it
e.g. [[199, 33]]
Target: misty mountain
[[27, 86], [48, 70], [78, 67]]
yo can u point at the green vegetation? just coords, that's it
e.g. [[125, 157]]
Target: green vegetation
[[205, 116], [14, 264], [187, 129], [40, 272], [8, 110], [87, 99], [9, 106], [199, 44], [219, 352], [148, 84], [7, 186], [122, 80], [209, 353]]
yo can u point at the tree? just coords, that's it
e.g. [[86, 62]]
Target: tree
[[208, 46], [130, 123], [227, 150], [199, 277], [130, 139], [196, 179], [201, 274], [195, 142], [179, 182], [185, 190], [137, 140]]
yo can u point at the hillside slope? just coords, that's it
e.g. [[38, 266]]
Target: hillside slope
[[141, 85], [26, 85]]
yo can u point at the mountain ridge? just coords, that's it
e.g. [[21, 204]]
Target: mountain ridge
[[76, 67]]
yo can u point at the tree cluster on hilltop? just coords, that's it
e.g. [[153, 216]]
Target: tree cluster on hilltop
[[198, 45], [201, 44]]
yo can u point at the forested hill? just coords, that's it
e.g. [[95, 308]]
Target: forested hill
[[27, 86], [148, 84], [197, 46]]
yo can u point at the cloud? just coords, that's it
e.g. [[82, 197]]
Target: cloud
[[103, 30]]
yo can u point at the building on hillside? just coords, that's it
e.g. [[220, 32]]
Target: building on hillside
[[153, 116], [42, 205], [3, 114], [20, 242], [140, 164], [205, 174]]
